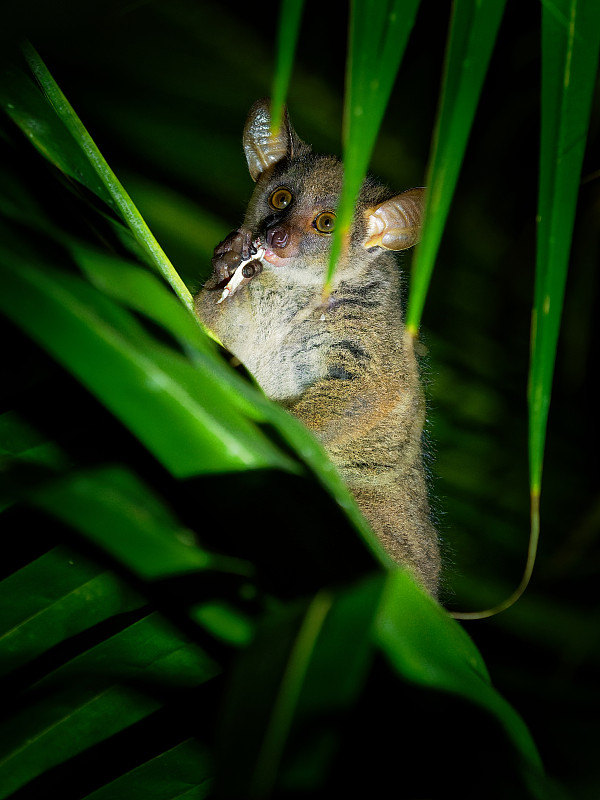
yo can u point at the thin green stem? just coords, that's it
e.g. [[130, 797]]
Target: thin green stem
[[126, 207], [531, 556], [284, 707], [290, 18]]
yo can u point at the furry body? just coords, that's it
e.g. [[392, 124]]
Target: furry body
[[346, 368]]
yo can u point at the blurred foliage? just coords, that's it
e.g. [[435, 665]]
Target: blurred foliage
[[164, 89]]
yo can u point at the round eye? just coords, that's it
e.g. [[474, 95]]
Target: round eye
[[325, 222], [280, 199]]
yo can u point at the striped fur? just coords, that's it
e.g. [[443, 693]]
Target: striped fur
[[345, 367]]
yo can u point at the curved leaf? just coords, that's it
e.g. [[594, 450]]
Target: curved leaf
[[473, 32], [182, 773], [134, 376], [105, 181], [570, 46], [318, 670], [429, 648], [96, 694], [377, 39], [53, 598], [288, 29], [119, 514]]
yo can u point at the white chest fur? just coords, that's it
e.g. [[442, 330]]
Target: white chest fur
[[279, 334]]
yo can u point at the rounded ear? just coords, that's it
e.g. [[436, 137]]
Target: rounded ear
[[396, 224], [262, 149]]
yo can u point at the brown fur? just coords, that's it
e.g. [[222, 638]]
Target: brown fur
[[347, 369]]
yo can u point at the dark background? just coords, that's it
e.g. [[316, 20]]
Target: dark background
[[164, 89]]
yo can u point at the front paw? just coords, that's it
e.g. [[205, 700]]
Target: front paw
[[235, 248]]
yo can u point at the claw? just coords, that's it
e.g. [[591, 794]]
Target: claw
[[237, 246], [247, 244], [238, 276]]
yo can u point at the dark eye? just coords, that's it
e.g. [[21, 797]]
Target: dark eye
[[325, 222], [280, 199]]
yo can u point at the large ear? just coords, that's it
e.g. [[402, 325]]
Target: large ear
[[396, 224], [262, 149]]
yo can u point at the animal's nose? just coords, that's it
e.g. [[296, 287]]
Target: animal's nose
[[277, 237]]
